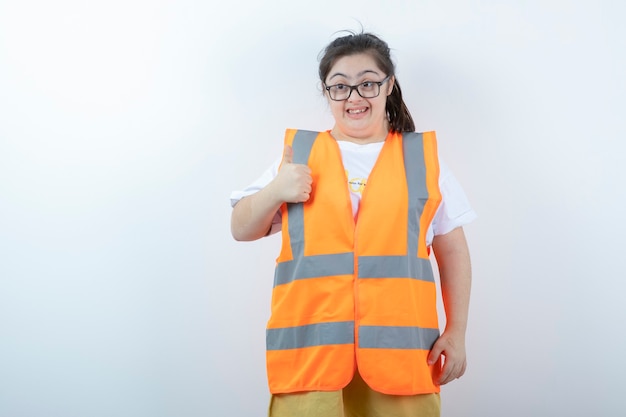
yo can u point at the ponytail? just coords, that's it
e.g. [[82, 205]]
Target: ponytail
[[400, 119]]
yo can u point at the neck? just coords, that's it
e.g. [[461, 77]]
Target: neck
[[378, 137]]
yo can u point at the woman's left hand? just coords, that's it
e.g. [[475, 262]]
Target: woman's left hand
[[452, 347]]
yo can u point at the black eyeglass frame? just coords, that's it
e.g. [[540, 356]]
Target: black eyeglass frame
[[356, 87]]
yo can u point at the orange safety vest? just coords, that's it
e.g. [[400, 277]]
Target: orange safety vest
[[357, 293]]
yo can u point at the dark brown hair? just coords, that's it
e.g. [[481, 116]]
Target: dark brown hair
[[398, 114]]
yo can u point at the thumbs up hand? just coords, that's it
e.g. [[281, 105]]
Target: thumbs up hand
[[293, 183]]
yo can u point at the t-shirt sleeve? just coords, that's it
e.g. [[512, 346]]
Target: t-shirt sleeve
[[256, 186], [455, 209]]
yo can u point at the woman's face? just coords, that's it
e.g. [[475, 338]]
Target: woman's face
[[359, 119]]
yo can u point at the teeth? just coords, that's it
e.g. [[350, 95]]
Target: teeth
[[356, 111]]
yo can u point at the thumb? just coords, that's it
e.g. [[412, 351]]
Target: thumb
[[434, 354], [288, 155]]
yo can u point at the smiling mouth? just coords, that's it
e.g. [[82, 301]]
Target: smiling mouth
[[357, 111]]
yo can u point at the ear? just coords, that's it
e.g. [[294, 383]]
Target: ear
[[391, 83]]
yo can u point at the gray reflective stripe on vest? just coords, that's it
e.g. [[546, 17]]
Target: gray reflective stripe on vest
[[316, 266], [335, 333], [307, 266], [395, 267], [397, 337], [408, 266]]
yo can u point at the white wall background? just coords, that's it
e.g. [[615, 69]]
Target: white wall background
[[125, 124]]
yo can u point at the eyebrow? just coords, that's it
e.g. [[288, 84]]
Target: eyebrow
[[360, 74]]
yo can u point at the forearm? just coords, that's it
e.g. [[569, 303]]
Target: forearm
[[452, 255], [252, 216]]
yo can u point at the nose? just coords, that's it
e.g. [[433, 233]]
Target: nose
[[357, 96]]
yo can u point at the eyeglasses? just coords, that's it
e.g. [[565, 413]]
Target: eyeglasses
[[367, 89]]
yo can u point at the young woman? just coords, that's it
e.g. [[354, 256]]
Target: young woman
[[354, 327]]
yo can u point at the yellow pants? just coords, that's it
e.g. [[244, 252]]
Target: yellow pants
[[355, 400]]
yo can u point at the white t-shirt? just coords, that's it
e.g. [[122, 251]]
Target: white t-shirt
[[358, 160]]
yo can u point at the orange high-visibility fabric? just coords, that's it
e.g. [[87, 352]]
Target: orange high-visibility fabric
[[380, 230]]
